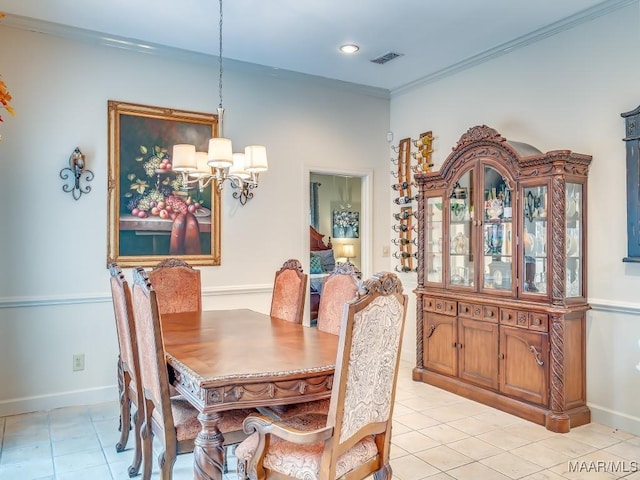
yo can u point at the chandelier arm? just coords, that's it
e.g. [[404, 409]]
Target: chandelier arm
[[204, 182]]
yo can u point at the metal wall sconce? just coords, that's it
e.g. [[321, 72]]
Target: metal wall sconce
[[76, 173]]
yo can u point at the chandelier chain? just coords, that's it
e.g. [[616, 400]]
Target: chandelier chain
[[220, 56]]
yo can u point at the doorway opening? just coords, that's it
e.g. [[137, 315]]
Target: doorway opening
[[339, 209]]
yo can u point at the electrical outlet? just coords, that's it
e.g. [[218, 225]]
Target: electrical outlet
[[386, 250], [78, 362]]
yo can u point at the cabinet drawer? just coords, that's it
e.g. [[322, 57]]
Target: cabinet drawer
[[508, 316], [490, 313], [429, 304], [538, 321], [446, 307], [465, 309], [440, 305]]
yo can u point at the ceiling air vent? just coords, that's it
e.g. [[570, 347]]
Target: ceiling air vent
[[387, 57]]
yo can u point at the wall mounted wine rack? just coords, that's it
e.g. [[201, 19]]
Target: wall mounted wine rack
[[407, 164]]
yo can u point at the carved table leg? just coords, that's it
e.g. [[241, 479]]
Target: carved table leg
[[208, 452]]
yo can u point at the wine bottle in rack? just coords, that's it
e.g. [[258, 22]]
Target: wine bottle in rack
[[401, 185], [401, 228], [402, 215], [403, 255], [404, 200], [401, 241]]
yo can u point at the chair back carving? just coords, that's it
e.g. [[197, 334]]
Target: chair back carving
[[289, 290], [177, 286], [342, 285], [153, 365]]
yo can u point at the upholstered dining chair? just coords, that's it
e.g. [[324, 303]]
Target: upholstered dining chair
[[341, 286], [177, 286], [338, 288], [352, 441], [129, 392], [289, 291], [171, 419]]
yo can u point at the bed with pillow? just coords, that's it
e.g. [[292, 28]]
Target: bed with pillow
[[321, 263]]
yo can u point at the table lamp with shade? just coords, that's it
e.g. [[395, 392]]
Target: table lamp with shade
[[348, 251]]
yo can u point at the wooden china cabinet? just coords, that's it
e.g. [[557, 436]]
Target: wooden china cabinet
[[501, 296]]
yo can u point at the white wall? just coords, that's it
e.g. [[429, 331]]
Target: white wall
[[564, 92], [54, 297]]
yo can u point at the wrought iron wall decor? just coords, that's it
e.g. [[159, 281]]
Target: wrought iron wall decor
[[407, 164], [75, 175]]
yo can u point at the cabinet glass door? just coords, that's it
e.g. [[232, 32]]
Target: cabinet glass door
[[574, 239], [497, 231], [461, 240], [433, 243], [534, 240]]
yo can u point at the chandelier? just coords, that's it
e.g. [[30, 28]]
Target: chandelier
[[219, 163]]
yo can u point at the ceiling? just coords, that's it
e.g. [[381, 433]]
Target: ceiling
[[435, 37]]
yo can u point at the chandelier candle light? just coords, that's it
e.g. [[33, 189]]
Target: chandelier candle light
[[220, 163]]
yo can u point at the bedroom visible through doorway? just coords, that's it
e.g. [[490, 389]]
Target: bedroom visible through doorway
[[339, 213]]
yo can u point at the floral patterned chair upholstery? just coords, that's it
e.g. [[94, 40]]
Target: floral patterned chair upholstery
[[171, 419], [177, 286], [353, 440], [128, 372], [289, 290]]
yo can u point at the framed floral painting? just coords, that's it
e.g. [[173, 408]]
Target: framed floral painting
[[153, 213], [346, 224]]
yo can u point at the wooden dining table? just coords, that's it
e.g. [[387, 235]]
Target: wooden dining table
[[229, 359]]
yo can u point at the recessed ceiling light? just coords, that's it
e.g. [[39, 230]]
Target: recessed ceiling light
[[349, 48]]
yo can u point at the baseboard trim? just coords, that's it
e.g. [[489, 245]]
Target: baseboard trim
[[90, 396], [54, 300], [617, 420]]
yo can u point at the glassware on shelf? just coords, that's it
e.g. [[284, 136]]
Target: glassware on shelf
[[508, 211], [494, 237], [458, 210], [434, 239], [530, 274], [460, 244], [494, 208]]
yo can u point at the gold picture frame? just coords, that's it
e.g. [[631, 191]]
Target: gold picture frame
[[152, 214]]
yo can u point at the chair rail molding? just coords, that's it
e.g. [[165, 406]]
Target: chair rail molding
[[78, 299], [602, 305]]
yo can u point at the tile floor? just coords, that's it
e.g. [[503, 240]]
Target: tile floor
[[437, 436]]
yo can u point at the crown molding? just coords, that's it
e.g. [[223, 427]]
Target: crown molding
[[537, 35], [133, 45]]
